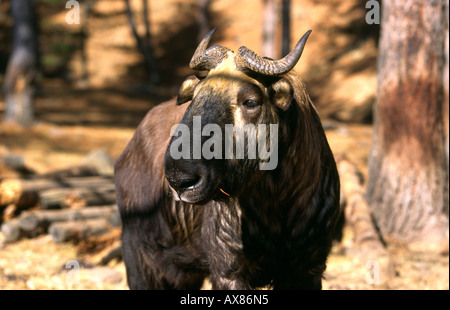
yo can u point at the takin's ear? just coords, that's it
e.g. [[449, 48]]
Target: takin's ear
[[281, 93], [187, 89]]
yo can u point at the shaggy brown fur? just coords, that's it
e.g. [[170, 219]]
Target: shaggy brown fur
[[272, 227]]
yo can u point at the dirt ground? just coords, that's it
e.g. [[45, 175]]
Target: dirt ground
[[75, 120]]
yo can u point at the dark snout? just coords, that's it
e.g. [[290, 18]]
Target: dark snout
[[194, 177], [191, 179]]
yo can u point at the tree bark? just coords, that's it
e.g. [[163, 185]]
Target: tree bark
[[408, 177], [19, 88]]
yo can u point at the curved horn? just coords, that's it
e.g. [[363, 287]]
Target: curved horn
[[207, 59], [248, 59]]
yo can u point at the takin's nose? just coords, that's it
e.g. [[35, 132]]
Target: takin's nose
[[182, 181], [194, 180], [182, 175]]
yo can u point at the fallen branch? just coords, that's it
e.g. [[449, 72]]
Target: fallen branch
[[34, 223], [27, 193], [357, 210], [78, 171], [41, 219], [113, 253], [371, 250], [77, 230], [77, 197]]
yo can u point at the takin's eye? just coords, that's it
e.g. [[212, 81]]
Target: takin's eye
[[251, 104]]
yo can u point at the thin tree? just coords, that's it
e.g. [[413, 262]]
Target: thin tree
[[286, 28], [269, 24], [84, 80], [144, 44], [446, 81], [203, 18], [19, 84], [408, 177]]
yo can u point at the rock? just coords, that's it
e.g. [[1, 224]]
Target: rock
[[16, 163], [101, 161], [11, 231], [100, 275]]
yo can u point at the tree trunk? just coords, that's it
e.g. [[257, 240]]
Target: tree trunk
[[203, 18], [19, 86], [446, 82], [144, 45], [269, 21], [408, 178], [84, 79], [286, 28]]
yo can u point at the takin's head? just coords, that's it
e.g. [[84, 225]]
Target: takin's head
[[220, 143]]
